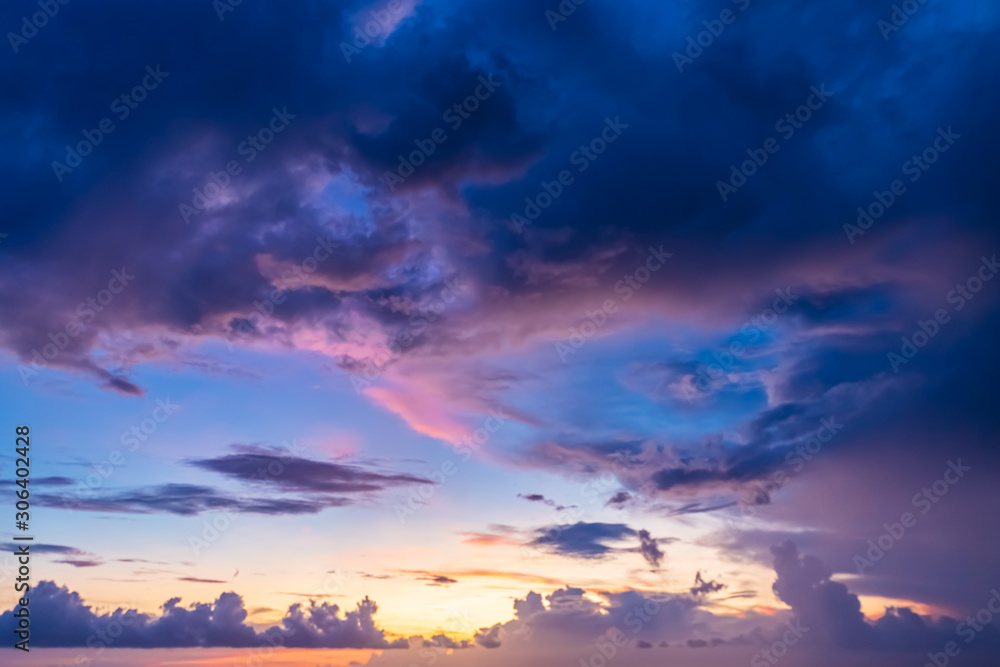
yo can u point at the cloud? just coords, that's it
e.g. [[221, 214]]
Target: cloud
[[75, 557], [649, 549], [320, 626], [321, 184], [186, 500], [526, 577], [619, 500], [384, 267], [699, 508], [324, 484], [539, 498], [80, 562], [570, 617], [444, 641], [833, 614], [582, 540], [64, 620], [491, 637], [43, 481], [588, 541], [46, 549], [804, 584], [702, 587], [454, 576], [275, 468]]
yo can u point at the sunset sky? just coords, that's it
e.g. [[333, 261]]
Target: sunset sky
[[482, 327]]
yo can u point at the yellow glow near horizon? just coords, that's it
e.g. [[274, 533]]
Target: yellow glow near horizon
[[489, 576]]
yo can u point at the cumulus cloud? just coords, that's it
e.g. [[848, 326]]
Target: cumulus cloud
[[833, 614], [803, 583], [446, 642], [570, 616], [567, 616], [383, 257], [61, 618], [491, 637]]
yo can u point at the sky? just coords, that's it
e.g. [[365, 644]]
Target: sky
[[417, 331]]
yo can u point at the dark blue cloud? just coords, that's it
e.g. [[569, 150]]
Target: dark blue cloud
[[657, 183], [185, 500], [277, 468], [582, 540]]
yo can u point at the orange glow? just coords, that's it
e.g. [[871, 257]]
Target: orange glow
[[874, 607], [289, 657], [764, 609]]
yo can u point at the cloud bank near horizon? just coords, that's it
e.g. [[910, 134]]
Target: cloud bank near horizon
[[822, 613]]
